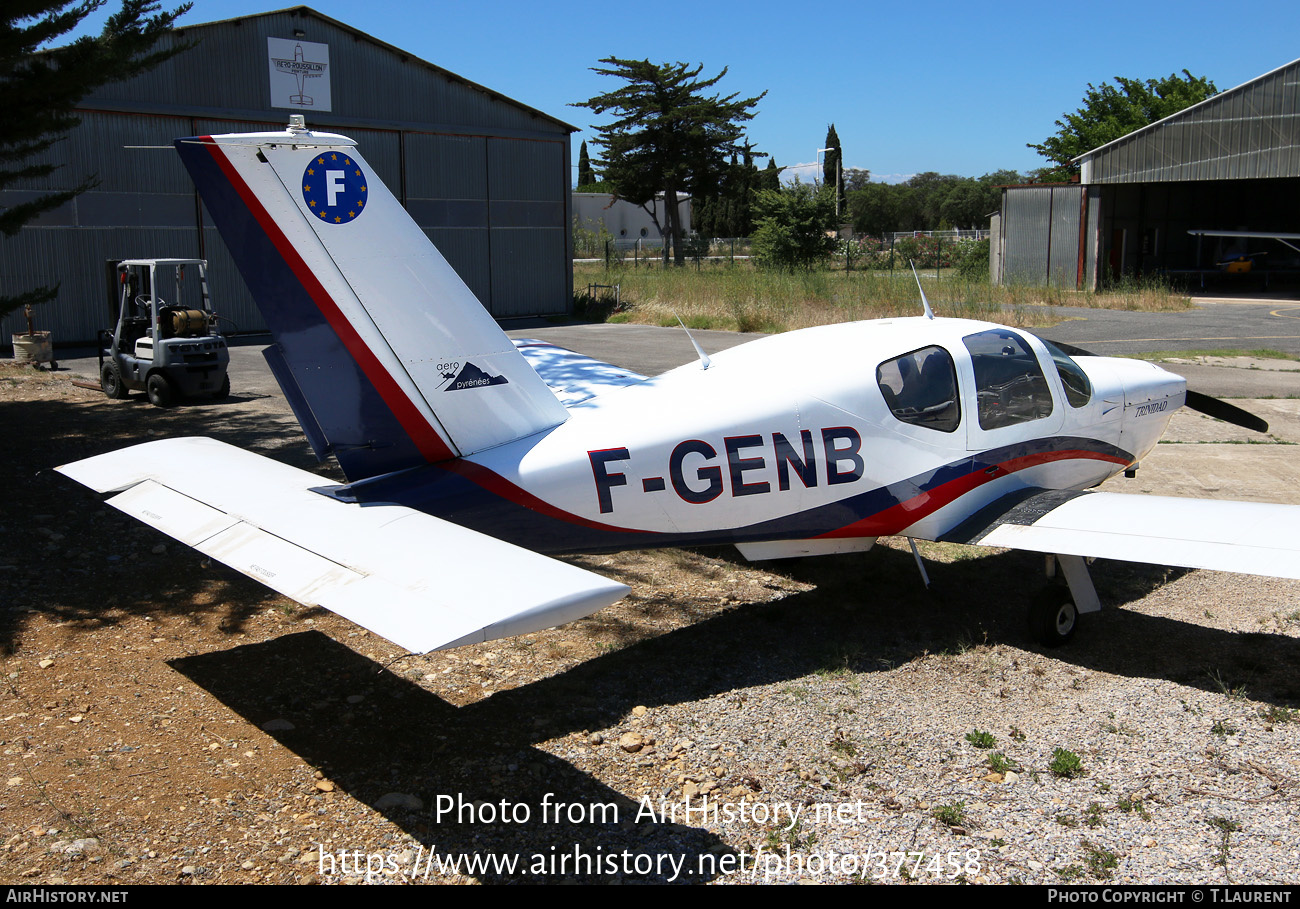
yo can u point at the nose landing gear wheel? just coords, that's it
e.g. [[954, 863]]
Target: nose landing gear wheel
[[1053, 617]]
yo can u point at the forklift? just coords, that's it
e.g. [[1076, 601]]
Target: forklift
[[168, 349]]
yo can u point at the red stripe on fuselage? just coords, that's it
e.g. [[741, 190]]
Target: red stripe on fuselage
[[422, 433], [498, 485], [897, 517], [883, 523]]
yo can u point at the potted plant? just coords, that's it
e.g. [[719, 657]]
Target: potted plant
[[34, 346]]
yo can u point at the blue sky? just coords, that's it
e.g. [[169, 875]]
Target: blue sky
[[940, 86]]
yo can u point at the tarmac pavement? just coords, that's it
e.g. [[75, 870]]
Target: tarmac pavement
[[1217, 323]]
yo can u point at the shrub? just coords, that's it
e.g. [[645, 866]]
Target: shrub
[[971, 258], [792, 225]]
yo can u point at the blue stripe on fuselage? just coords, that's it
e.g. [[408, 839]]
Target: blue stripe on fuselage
[[440, 492]]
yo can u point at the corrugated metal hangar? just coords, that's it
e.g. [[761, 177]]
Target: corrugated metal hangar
[[1230, 164], [486, 177]]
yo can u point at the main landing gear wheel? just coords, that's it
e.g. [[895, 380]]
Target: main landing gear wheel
[[110, 379], [1053, 617], [161, 393]]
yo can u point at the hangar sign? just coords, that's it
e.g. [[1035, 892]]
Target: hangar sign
[[300, 77]]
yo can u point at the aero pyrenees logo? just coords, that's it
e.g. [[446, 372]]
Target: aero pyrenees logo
[[334, 188], [472, 377]]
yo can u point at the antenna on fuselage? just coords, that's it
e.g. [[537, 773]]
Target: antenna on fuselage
[[929, 313], [704, 358]]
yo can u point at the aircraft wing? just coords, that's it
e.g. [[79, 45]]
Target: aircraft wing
[[421, 582], [1245, 537], [573, 377], [1251, 235], [1256, 234]]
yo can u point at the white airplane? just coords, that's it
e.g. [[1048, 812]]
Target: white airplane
[[469, 458]]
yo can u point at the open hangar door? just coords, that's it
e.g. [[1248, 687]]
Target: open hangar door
[[1144, 230]]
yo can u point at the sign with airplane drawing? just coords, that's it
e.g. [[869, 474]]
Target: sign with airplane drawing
[[299, 72]]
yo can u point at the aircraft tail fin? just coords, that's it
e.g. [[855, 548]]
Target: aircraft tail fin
[[387, 357]]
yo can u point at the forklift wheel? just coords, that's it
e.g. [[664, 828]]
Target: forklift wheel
[[110, 379], [161, 393], [224, 391]]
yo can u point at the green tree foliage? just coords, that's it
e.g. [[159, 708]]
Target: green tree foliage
[[855, 178], [41, 89], [771, 176], [586, 175], [873, 209], [966, 204], [793, 227], [832, 166], [1111, 111], [728, 212], [668, 136], [928, 201]]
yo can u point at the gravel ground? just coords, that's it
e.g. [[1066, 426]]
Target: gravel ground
[[164, 719]]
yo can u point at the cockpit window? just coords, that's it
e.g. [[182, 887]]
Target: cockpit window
[[1009, 384], [1078, 390], [921, 388]]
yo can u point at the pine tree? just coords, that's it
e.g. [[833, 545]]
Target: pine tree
[[668, 136], [41, 89]]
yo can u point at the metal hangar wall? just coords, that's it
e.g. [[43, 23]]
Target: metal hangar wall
[[1230, 163], [487, 178]]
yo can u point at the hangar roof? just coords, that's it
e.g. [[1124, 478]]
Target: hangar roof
[[375, 84], [1248, 132]]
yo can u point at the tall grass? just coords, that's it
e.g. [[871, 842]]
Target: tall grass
[[741, 297]]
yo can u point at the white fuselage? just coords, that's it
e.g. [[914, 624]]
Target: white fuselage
[[797, 425]]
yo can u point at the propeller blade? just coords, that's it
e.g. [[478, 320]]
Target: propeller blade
[[1222, 410], [1201, 403]]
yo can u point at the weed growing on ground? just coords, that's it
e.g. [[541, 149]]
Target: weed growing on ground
[[1226, 828], [1133, 805], [1222, 729], [1000, 763], [1225, 687], [1065, 763], [1100, 861], [1277, 715], [953, 815]]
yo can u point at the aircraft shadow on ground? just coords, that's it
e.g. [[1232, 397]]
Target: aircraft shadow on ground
[[72, 556], [403, 738]]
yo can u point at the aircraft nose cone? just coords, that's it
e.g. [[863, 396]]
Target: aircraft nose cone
[[1148, 384]]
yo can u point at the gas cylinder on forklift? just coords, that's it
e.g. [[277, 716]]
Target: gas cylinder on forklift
[[170, 349]]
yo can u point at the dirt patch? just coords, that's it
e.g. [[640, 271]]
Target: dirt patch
[[165, 719]]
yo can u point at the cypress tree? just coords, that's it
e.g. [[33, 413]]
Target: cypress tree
[[586, 176], [832, 166]]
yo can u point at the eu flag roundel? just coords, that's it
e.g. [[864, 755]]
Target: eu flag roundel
[[334, 188]]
